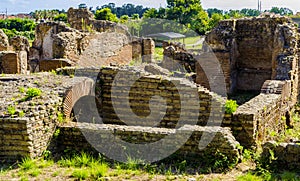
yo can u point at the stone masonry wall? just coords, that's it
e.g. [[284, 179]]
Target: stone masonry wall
[[143, 89], [28, 131], [255, 121], [13, 62], [83, 20], [223, 142], [86, 49], [253, 50], [286, 155]]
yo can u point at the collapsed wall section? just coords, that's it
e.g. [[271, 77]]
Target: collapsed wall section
[[55, 41], [282, 156]]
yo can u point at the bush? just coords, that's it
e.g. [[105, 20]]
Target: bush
[[33, 92], [230, 106], [11, 110]]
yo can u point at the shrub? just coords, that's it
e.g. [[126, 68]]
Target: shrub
[[21, 114], [21, 89], [33, 92], [230, 106], [11, 110]]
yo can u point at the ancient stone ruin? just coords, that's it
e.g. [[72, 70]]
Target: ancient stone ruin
[[255, 54], [13, 54]]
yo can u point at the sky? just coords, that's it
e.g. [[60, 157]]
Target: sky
[[26, 6]]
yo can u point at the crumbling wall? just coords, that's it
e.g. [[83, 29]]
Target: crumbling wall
[[13, 62], [13, 54], [83, 20], [4, 44], [44, 48], [255, 121], [253, 50], [147, 86], [28, 130], [223, 142], [57, 41], [286, 156], [49, 65]]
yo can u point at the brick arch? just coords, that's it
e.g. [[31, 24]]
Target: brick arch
[[73, 94]]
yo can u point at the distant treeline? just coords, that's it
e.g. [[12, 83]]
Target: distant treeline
[[125, 9], [18, 26], [188, 13]]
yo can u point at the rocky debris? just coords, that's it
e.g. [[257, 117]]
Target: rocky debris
[[156, 70], [14, 89], [67, 45], [20, 43], [4, 43]]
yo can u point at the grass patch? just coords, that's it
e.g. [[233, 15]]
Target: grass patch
[[80, 174], [99, 170], [27, 164], [249, 177], [11, 110], [159, 54]]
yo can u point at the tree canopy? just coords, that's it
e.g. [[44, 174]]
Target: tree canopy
[[106, 14], [125, 9]]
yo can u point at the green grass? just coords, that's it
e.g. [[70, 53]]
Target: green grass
[[159, 54], [27, 164], [99, 170], [11, 110], [249, 177], [80, 174]]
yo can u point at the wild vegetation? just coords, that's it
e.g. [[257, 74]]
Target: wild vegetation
[[18, 26]]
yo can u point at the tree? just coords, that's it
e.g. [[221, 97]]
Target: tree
[[234, 13], [212, 11], [154, 13], [214, 20], [281, 11], [135, 16], [124, 18], [61, 17], [106, 14], [189, 13], [250, 12], [126, 9]]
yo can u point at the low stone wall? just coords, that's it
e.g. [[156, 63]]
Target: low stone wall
[[255, 121], [286, 156], [223, 141], [49, 65], [28, 130], [116, 95]]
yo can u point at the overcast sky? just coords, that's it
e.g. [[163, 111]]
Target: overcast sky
[[26, 6]]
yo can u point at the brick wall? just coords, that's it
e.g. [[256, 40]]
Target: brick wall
[[13, 62]]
